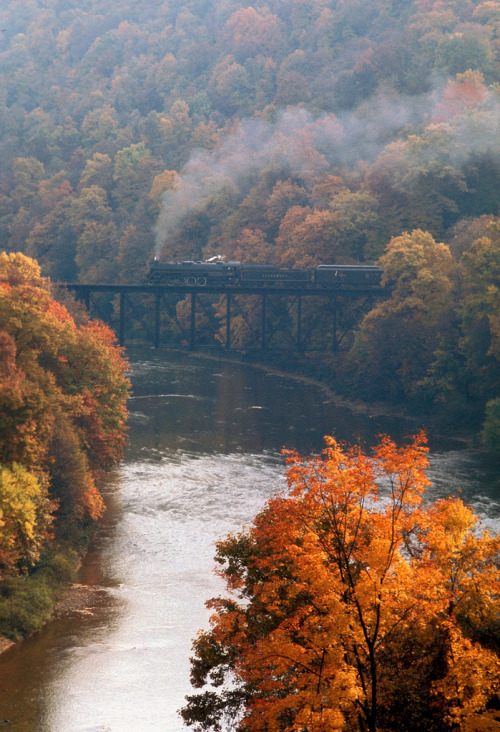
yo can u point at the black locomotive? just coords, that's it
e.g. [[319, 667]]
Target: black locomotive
[[222, 274]]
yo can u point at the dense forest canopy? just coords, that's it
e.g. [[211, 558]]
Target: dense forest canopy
[[296, 132], [63, 389], [363, 119]]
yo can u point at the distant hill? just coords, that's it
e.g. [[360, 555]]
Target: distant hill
[[363, 119]]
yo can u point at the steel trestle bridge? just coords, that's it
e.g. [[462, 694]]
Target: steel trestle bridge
[[281, 317]]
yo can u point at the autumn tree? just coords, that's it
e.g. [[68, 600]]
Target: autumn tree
[[284, 195], [251, 246], [467, 90], [25, 518], [396, 341], [62, 410], [249, 32], [307, 238], [352, 605], [52, 240]]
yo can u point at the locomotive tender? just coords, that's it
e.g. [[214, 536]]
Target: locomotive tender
[[222, 274]]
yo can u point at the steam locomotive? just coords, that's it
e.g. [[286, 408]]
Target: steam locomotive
[[217, 273]]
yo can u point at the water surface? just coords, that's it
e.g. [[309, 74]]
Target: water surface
[[204, 455]]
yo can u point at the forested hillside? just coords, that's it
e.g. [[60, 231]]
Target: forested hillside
[[62, 423], [297, 132]]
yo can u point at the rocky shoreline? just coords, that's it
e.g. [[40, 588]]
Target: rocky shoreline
[[79, 599]]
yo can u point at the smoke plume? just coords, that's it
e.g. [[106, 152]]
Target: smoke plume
[[310, 147]]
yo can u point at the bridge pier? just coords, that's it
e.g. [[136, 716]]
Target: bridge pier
[[157, 318], [264, 313], [192, 337], [228, 320], [299, 323], [334, 334], [151, 313], [121, 331]]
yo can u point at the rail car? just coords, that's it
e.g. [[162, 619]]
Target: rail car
[[326, 275], [224, 274], [268, 274]]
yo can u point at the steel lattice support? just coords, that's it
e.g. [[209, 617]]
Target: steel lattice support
[[272, 318]]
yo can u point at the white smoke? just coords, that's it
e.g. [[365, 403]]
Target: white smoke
[[253, 145], [308, 146]]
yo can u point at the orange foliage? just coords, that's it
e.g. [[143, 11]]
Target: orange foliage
[[468, 90], [250, 32], [307, 238], [92, 502], [62, 393], [353, 605], [251, 246], [60, 312]]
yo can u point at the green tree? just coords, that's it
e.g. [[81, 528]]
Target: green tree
[[98, 172], [176, 130], [418, 181], [490, 435], [133, 174], [230, 88], [459, 52], [28, 174], [396, 342], [480, 322]]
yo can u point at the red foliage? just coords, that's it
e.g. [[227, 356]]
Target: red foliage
[[466, 91]]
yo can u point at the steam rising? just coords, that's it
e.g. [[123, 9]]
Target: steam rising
[[309, 147]]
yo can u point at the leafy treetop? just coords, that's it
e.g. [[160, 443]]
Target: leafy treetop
[[353, 605]]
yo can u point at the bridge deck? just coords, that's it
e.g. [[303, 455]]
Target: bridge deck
[[270, 317], [300, 288]]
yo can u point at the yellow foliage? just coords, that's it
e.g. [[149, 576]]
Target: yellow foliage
[[24, 516], [357, 605], [18, 269]]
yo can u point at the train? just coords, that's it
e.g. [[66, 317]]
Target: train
[[218, 273]]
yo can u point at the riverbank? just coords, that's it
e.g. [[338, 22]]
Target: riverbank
[[356, 406], [6, 643], [77, 599], [377, 409], [201, 462], [29, 602]]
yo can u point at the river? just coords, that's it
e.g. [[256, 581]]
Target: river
[[203, 456]]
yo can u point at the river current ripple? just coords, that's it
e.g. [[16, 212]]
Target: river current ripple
[[204, 455]]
